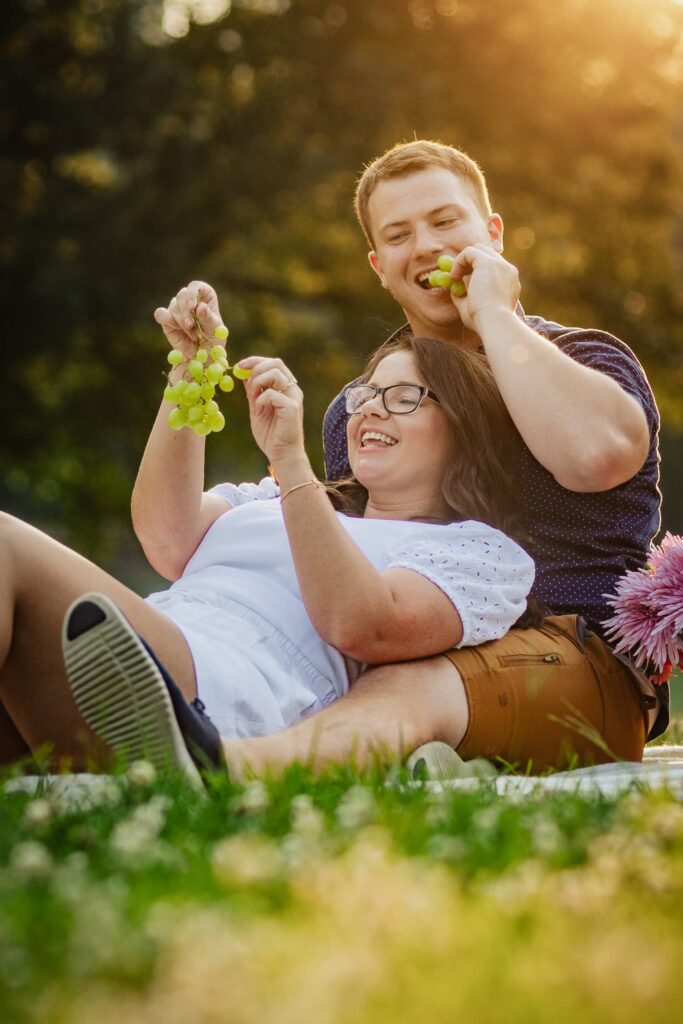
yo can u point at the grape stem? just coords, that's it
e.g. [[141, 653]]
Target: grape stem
[[203, 336]]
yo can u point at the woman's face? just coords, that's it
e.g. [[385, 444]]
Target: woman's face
[[401, 456]]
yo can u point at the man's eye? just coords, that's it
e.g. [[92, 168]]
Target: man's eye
[[397, 238], [446, 222]]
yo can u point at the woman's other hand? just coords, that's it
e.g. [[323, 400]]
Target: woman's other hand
[[276, 408], [177, 319]]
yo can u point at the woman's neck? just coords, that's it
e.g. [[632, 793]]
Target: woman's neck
[[406, 507]]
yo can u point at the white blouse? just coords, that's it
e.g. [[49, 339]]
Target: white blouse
[[485, 574], [259, 663]]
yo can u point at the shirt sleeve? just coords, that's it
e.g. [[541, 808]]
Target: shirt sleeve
[[335, 450], [609, 355], [485, 574], [240, 494]]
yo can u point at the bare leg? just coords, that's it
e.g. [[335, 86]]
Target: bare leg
[[39, 578], [389, 712]]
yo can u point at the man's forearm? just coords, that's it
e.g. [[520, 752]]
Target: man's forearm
[[579, 424]]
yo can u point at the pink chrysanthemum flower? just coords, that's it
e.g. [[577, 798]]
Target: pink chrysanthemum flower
[[648, 611]]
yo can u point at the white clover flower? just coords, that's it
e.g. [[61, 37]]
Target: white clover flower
[[130, 841], [152, 814], [356, 808], [254, 800], [135, 840], [31, 859], [448, 848], [245, 860], [546, 836], [486, 818], [38, 812], [306, 818], [74, 793], [141, 773]]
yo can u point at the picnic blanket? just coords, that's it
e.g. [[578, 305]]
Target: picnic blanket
[[661, 768]]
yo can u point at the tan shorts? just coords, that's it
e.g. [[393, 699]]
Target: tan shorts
[[550, 698]]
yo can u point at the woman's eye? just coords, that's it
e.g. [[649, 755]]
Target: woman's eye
[[446, 223], [396, 238]]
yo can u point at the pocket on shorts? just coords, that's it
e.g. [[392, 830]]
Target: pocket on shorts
[[510, 660]]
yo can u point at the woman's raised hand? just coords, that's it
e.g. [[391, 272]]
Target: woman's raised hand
[[276, 408], [177, 319]]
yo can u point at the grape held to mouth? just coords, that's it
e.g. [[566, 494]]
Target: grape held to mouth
[[441, 278]]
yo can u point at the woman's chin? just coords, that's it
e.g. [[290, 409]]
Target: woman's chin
[[371, 476]]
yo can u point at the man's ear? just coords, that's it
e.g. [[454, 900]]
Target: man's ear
[[495, 228], [373, 259]]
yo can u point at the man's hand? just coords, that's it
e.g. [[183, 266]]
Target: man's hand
[[492, 284], [177, 319]]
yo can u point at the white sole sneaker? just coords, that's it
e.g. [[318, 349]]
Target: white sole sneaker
[[119, 689], [437, 761]]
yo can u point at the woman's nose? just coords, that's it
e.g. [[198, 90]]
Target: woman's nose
[[375, 406]]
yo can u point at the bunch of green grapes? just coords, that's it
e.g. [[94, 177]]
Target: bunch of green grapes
[[194, 394], [441, 278]]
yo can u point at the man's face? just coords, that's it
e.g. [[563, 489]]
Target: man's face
[[414, 220]]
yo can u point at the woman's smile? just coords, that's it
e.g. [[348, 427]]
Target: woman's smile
[[376, 440]]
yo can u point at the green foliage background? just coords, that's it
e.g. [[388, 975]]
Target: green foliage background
[[226, 148]]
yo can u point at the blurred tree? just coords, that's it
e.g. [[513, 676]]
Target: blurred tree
[[136, 155]]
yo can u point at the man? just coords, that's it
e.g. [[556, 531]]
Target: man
[[587, 468], [582, 404]]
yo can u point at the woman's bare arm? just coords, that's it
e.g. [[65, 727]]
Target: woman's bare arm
[[373, 616], [171, 513], [365, 613]]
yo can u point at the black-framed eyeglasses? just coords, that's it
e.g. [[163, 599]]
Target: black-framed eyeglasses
[[397, 398]]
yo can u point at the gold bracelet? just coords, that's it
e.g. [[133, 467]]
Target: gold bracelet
[[307, 483]]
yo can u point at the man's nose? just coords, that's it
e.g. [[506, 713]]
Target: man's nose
[[426, 240]]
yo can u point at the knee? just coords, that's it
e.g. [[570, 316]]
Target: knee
[[7, 528], [390, 680], [10, 528], [430, 693]]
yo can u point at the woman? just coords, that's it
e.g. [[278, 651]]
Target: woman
[[279, 601]]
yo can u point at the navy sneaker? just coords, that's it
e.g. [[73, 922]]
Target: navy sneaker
[[128, 698]]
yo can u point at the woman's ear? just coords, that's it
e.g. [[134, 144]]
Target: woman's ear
[[373, 260], [495, 229]]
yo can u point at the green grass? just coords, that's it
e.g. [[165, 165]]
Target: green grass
[[347, 899]]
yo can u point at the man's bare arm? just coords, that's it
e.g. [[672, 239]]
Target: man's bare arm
[[579, 423]]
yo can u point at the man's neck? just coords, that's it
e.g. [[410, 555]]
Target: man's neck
[[457, 333]]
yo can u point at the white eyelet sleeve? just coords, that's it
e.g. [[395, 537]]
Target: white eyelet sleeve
[[240, 494], [485, 574]]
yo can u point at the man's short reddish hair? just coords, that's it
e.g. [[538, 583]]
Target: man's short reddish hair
[[406, 158]]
